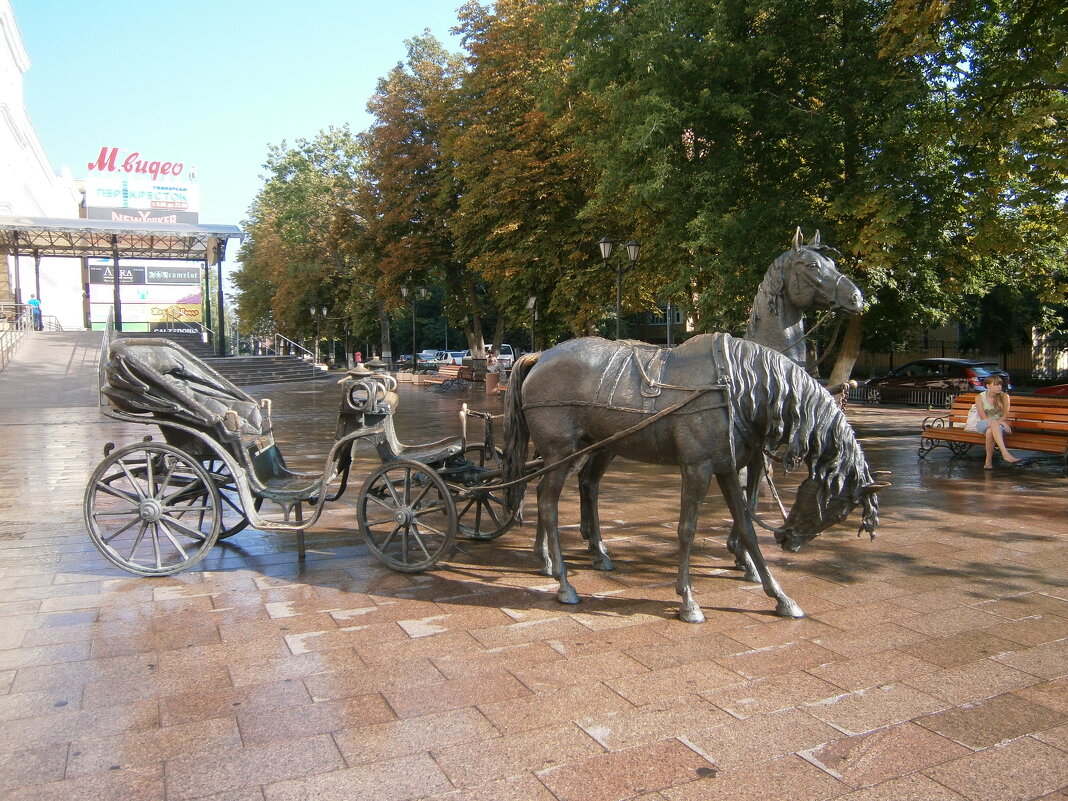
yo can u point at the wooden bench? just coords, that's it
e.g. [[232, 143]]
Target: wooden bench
[[450, 376], [1038, 424]]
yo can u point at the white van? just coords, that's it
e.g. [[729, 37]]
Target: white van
[[505, 359]]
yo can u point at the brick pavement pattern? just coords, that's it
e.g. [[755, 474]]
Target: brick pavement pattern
[[932, 665]]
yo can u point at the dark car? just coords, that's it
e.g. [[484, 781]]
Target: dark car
[[931, 381], [1055, 390]]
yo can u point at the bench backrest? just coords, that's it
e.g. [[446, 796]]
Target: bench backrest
[[1027, 412]]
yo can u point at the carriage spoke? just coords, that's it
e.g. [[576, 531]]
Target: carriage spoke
[[164, 521], [406, 515], [173, 540]]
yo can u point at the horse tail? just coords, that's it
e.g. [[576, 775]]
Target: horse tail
[[516, 434]]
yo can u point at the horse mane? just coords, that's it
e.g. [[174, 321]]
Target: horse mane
[[803, 423], [770, 289]]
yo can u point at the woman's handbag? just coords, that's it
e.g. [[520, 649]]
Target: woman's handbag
[[973, 419]]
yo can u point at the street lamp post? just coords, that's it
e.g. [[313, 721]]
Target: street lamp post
[[422, 293], [607, 246], [532, 304], [317, 315]]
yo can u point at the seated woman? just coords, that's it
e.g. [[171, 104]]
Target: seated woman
[[993, 406]]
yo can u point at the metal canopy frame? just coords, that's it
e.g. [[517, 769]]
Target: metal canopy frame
[[81, 238], [100, 238]]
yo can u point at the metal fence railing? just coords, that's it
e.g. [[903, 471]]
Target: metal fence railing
[[927, 398], [15, 321]]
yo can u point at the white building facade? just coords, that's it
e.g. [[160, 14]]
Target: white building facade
[[30, 187]]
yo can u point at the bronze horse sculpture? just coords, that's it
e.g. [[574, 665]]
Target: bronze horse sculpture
[[801, 279], [710, 406], [804, 278]]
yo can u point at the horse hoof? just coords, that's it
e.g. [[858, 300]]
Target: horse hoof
[[691, 614], [604, 564], [788, 608], [567, 595]]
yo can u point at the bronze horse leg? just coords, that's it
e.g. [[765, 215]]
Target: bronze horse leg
[[755, 471], [695, 482], [732, 492], [548, 536], [590, 519]]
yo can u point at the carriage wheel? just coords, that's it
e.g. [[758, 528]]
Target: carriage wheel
[[406, 515], [152, 509], [481, 512], [234, 519]]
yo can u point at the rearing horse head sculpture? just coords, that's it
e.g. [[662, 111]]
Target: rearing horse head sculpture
[[802, 279]]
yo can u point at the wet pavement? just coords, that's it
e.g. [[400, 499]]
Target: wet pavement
[[933, 663]]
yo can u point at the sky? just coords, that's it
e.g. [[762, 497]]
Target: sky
[[210, 83]]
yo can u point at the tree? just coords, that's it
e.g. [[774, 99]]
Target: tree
[[524, 181], [294, 256], [410, 189]]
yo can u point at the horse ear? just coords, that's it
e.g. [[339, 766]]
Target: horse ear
[[814, 242], [798, 239], [873, 487]]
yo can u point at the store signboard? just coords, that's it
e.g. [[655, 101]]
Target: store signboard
[[128, 186], [174, 275], [105, 274], [117, 192], [161, 296], [158, 217]]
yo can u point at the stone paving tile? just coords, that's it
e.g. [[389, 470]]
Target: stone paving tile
[[426, 699], [912, 787], [42, 765], [515, 788], [882, 755], [259, 676], [761, 738], [151, 746], [628, 727], [410, 777], [379, 741], [1020, 770], [992, 721], [965, 684], [540, 710], [533, 750], [867, 710], [135, 784], [788, 778], [624, 774], [194, 775], [772, 694]]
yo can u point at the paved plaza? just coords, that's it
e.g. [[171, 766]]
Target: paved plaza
[[932, 664]]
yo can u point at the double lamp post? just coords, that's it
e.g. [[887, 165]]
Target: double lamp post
[[607, 246]]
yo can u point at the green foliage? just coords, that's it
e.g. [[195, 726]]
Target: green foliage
[[925, 139]]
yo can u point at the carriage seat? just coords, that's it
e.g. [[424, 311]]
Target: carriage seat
[[368, 403], [160, 377]]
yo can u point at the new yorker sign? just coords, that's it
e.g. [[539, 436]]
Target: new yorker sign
[[128, 186]]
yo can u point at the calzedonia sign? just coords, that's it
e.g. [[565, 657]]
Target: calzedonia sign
[[132, 187]]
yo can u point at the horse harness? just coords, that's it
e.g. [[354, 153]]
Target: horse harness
[[651, 388]]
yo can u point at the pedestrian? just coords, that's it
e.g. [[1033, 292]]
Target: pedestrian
[[357, 357], [35, 309], [992, 407]]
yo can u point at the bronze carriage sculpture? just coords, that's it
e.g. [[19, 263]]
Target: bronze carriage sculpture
[[712, 406], [156, 508]]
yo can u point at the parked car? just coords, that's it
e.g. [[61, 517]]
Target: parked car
[[450, 356], [950, 376], [1056, 390], [505, 359]]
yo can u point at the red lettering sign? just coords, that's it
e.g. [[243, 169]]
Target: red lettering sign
[[133, 163]]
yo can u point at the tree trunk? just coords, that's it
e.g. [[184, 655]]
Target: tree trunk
[[383, 325], [847, 353]]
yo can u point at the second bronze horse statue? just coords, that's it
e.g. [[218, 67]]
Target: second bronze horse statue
[[710, 406]]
